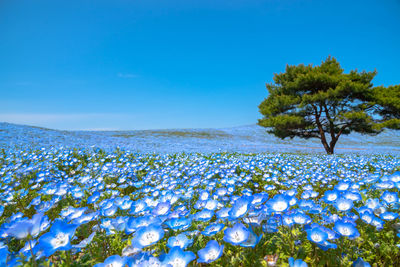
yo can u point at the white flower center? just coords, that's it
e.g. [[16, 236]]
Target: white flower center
[[332, 197], [238, 236], [177, 262], [242, 210], [60, 240], [345, 231], [211, 255], [149, 238], [316, 237], [344, 206], [279, 206]]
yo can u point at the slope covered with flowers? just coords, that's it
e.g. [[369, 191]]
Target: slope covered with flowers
[[85, 207]]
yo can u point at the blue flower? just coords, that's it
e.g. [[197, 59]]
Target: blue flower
[[148, 235], [212, 229], [178, 258], [240, 207], [301, 218], [317, 234], [252, 240], [211, 252], [330, 196], [204, 215], [346, 229], [389, 216], [361, 263], [279, 203], [3, 254], [297, 263], [180, 240], [343, 204], [162, 208], [237, 234], [390, 197], [29, 227], [326, 245], [57, 239], [114, 261], [179, 223]]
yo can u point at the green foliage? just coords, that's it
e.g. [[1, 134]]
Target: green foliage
[[324, 102]]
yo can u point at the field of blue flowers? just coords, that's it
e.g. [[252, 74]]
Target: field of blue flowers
[[70, 207]]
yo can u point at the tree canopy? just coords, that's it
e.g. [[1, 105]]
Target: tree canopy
[[324, 102]]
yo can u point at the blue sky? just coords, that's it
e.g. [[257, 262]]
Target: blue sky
[[130, 64]]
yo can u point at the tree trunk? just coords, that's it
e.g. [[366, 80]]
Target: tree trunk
[[328, 149]]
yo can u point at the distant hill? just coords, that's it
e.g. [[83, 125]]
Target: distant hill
[[246, 139]]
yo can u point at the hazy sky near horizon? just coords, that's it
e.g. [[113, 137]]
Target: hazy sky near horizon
[[130, 64]]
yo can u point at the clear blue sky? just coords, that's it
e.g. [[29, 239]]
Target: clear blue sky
[[143, 64]]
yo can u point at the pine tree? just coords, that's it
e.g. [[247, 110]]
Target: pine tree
[[324, 102]]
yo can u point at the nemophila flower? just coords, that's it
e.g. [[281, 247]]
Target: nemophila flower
[[211, 204], [176, 257], [85, 241], [384, 185], [29, 227], [109, 211], [211, 252], [72, 213], [317, 234], [57, 239], [26, 250], [343, 204], [297, 263], [279, 203], [223, 213], [287, 219], [389, 197], [107, 225], [237, 234], [378, 223], [212, 229], [389, 216], [162, 208], [309, 194], [119, 223], [180, 240], [252, 240], [204, 215], [360, 263], [395, 177], [93, 198], [179, 223], [346, 229], [332, 235], [240, 207], [292, 200], [203, 195], [367, 216], [138, 206], [125, 203], [150, 262], [34, 202], [148, 235], [353, 196], [342, 186], [300, 218], [113, 261], [85, 218], [259, 198], [372, 203], [3, 254], [326, 245]]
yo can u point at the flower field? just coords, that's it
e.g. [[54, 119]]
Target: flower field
[[70, 207]]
